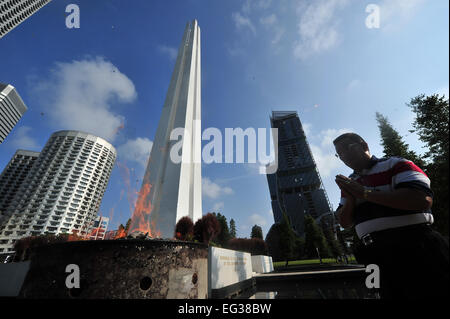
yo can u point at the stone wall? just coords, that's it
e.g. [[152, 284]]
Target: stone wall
[[137, 269]]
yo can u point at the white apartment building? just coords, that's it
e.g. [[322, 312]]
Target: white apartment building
[[99, 227], [14, 12], [63, 190], [13, 176], [12, 108]]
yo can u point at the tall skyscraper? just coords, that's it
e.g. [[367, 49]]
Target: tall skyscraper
[[13, 176], [296, 188], [14, 12], [63, 190], [11, 109], [171, 189]]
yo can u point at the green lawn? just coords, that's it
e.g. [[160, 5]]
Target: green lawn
[[310, 262]]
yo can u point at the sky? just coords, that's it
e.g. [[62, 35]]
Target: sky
[[110, 76]]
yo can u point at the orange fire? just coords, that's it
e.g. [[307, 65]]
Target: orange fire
[[140, 221], [120, 233], [75, 237], [131, 193], [139, 203]]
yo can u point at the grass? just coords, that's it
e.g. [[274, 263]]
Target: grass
[[310, 262]]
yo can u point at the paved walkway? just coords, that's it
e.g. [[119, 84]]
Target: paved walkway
[[299, 273]]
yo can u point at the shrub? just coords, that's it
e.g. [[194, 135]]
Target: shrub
[[207, 228], [254, 246], [184, 230], [273, 242]]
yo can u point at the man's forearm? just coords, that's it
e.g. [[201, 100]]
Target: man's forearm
[[403, 198], [345, 214]]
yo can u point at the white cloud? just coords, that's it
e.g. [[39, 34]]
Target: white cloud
[[307, 129], [394, 13], [324, 154], [137, 150], [172, 53], [265, 221], [328, 136], [246, 7], [326, 162], [254, 10], [263, 4], [213, 190], [271, 22], [268, 20], [242, 22], [21, 138], [279, 32], [257, 219], [218, 207], [317, 27], [249, 5], [80, 96]]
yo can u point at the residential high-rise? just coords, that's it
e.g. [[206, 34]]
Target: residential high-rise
[[11, 109], [98, 229], [63, 190], [13, 176], [172, 188], [14, 12], [296, 188]]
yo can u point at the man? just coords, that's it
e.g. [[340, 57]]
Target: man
[[388, 201]]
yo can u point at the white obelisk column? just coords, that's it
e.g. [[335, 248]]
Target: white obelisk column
[[175, 188]]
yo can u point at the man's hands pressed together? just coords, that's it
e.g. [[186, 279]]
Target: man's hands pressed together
[[350, 188]]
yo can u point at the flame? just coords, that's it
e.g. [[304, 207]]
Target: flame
[[74, 236], [139, 203], [131, 193], [140, 221], [111, 213], [120, 233]]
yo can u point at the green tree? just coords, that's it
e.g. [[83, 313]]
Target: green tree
[[273, 242], [314, 238], [256, 232], [232, 228], [299, 250], [393, 143], [334, 245], [432, 127], [224, 236], [287, 239]]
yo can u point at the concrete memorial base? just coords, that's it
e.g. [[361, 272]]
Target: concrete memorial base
[[230, 272], [134, 269], [262, 264], [12, 276]]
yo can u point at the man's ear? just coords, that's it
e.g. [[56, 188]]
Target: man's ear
[[365, 146]]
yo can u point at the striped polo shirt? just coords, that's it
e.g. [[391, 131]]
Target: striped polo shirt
[[388, 174]]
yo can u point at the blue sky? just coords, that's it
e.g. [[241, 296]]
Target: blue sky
[[315, 57]]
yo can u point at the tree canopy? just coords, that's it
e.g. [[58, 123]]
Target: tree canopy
[[256, 232], [393, 143]]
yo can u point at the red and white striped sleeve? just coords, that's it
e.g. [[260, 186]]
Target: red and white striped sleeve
[[406, 174]]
